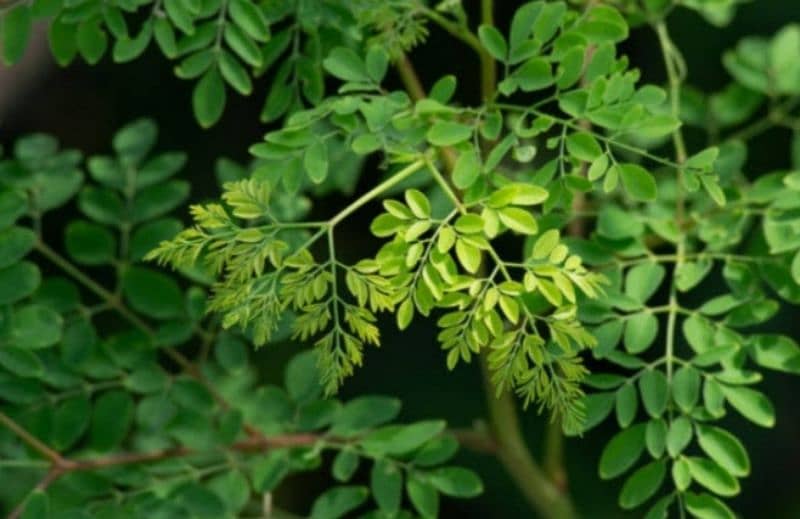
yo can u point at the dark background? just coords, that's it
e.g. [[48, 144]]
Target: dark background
[[83, 105]]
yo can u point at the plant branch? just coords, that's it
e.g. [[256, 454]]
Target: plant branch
[[672, 62], [488, 64], [113, 301], [457, 30], [575, 125], [52, 475], [775, 116], [517, 459], [377, 191], [413, 85], [674, 76], [32, 441], [410, 79], [511, 449]]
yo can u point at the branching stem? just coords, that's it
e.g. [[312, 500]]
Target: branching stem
[[512, 451], [377, 191]]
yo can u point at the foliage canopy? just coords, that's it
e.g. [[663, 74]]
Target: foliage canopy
[[553, 231]]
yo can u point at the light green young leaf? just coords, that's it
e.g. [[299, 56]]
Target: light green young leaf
[[724, 448], [752, 404], [705, 506], [638, 182], [493, 42], [346, 65], [448, 133], [712, 476]]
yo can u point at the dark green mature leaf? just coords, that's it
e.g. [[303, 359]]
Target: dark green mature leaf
[[250, 18], [111, 419], [686, 387], [622, 451], [152, 293], [208, 98], [642, 485], [36, 506], [92, 41], [583, 146], [386, 481], [200, 501], [655, 392], [15, 29], [70, 421], [456, 482], [363, 413], [13, 204], [148, 235], [35, 327], [627, 403], [640, 332], [436, 451], [346, 65], [423, 496], [15, 243], [315, 161], [345, 465], [337, 502], [776, 352], [270, 471], [20, 362], [89, 243], [102, 205], [302, 382], [157, 200], [534, 74], [402, 439]]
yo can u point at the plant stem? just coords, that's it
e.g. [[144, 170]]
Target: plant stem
[[413, 85], [671, 57], [674, 78], [457, 30], [542, 494], [575, 125], [111, 299], [410, 79], [31, 440], [513, 453], [376, 191], [52, 475], [506, 440], [775, 116], [488, 64]]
